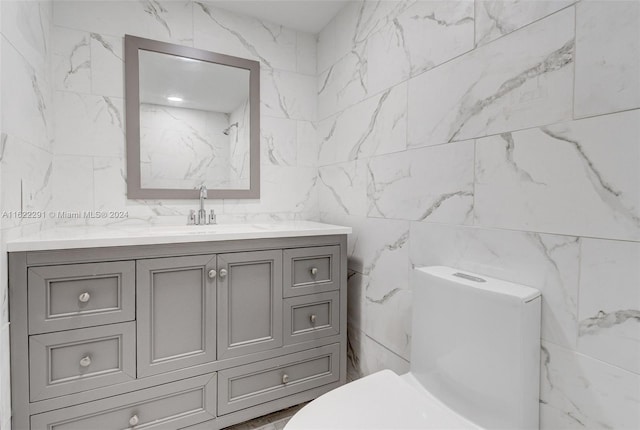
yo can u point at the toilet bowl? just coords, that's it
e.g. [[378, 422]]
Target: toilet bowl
[[474, 363]]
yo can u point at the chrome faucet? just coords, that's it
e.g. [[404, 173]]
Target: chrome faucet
[[201, 218], [202, 214]]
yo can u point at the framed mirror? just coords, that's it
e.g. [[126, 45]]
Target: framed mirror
[[192, 118]]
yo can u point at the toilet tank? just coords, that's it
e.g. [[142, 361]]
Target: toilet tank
[[476, 345]]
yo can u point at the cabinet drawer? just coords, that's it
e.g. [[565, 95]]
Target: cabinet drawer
[[252, 384], [80, 295], [311, 317], [311, 270], [77, 360], [170, 406]]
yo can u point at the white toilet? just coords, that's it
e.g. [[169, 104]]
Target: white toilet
[[475, 363]]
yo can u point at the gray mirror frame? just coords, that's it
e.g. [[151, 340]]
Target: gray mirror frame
[[132, 44]]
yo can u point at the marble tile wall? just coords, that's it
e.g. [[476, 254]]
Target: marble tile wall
[[89, 167], [496, 136], [499, 137], [206, 155], [26, 156], [62, 116]]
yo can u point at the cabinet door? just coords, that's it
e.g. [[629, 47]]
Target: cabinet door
[[176, 302], [249, 302]]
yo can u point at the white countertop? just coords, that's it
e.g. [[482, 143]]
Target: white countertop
[[103, 236]]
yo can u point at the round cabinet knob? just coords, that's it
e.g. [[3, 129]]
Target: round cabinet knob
[[85, 361], [285, 378], [84, 297], [223, 273], [212, 273], [314, 271], [312, 318], [134, 420]]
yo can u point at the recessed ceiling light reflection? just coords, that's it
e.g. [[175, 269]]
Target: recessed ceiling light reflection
[[174, 99]]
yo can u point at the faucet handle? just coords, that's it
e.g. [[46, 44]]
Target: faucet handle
[[203, 191], [212, 217], [192, 217]]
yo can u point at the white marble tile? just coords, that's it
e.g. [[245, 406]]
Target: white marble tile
[[26, 99], [337, 38], [71, 60], [278, 141], [428, 184], [236, 218], [89, 125], [521, 80], [579, 178], [242, 36], [308, 143], [546, 262], [495, 19], [25, 170], [343, 84], [342, 188], [109, 194], [578, 392], [239, 148], [13, 233], [421, 36], [282, 189], [72, 182], [27, 25], [167, 21], [380, 253], [306, 48], [607, 57], [287, 95], [388, 320], [107, 65], [205, 156], [347, 34], [609, 307], [336, 218], [109, 183], [366, 18], [366, 356], [375, 126]]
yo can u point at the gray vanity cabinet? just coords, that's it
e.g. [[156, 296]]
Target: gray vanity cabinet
[[69, 296], [311, 270], [256, 383], [198, 335], [167, 407], [176, 305], [249, 302]]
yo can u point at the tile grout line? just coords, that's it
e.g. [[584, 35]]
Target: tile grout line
[[494, 134], [595, 359]]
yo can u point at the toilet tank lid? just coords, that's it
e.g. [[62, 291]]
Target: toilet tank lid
[[481, 282]]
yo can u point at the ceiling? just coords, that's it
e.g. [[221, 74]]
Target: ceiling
[[309, 16], [201, 85]]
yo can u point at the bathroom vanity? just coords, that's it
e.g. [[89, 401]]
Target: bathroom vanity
[[174, 327]]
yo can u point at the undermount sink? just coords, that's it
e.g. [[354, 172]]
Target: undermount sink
[[216, 228]]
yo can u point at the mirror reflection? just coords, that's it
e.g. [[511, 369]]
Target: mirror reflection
[[194, 123]]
